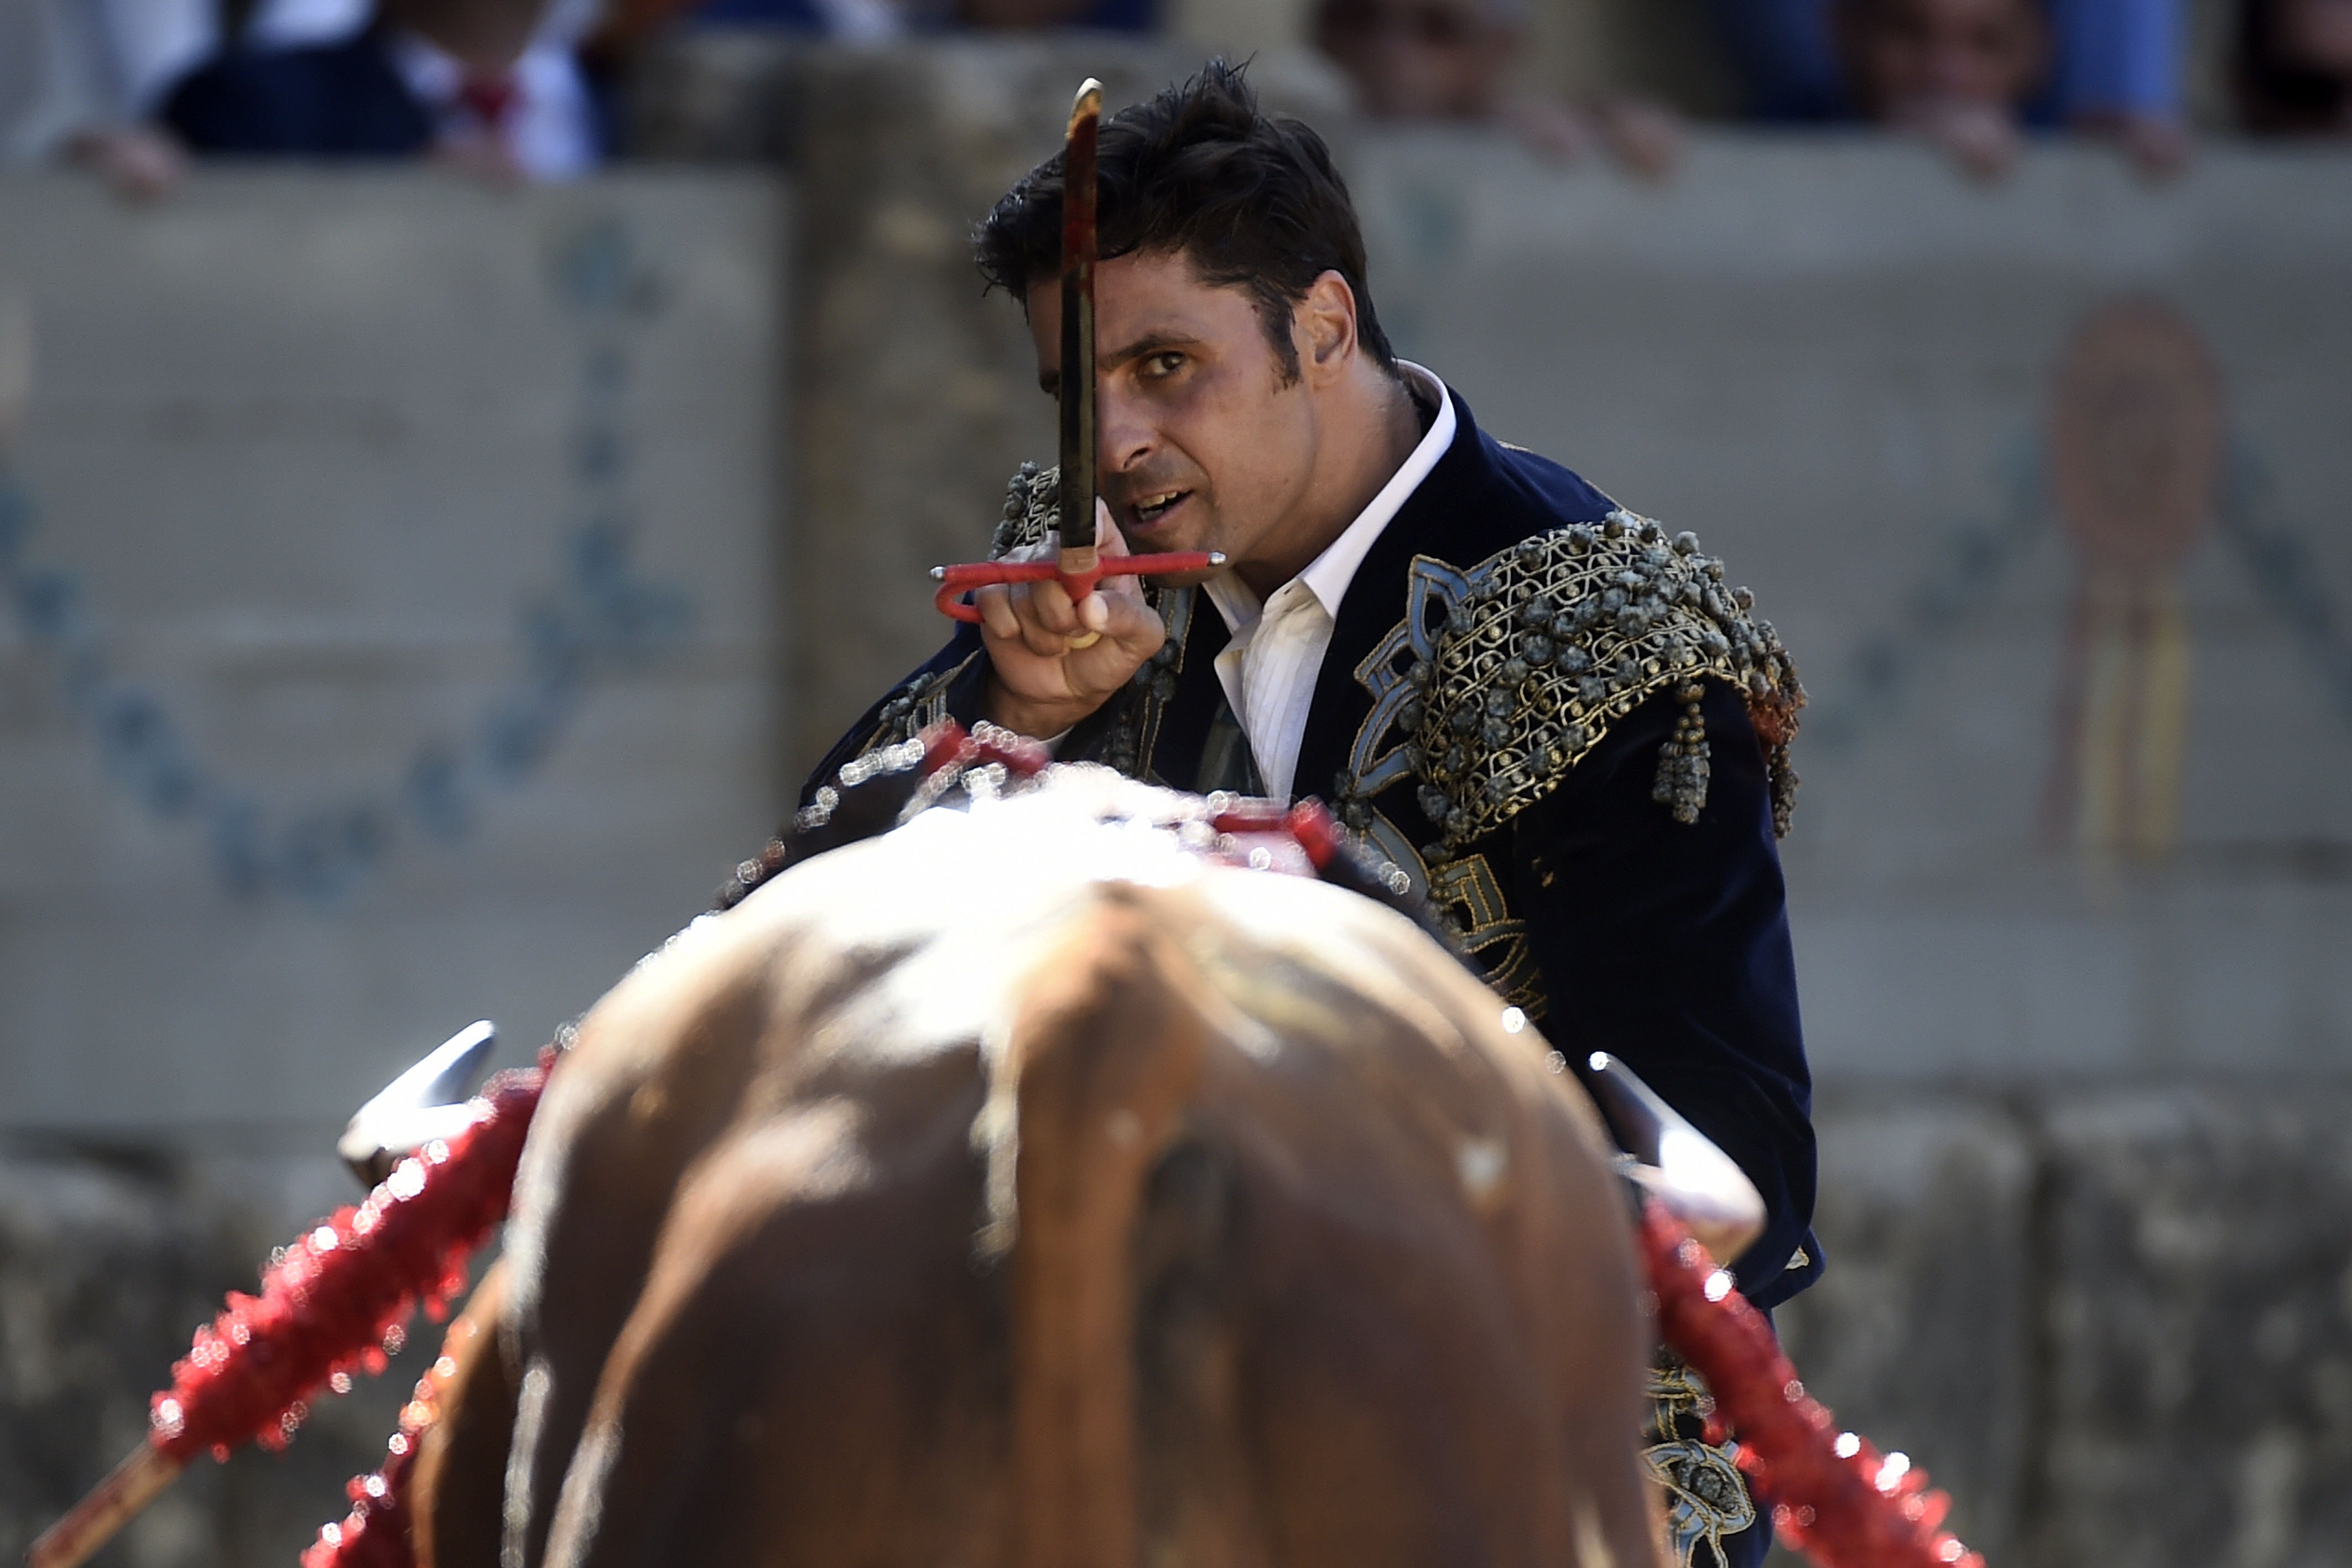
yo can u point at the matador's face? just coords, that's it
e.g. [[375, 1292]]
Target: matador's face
[[1204, 442]]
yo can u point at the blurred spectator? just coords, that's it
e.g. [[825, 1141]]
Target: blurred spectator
[[2293, 66], [490, 85], [866, 20], [1970, 74], [77, 78], [1451, 59], [628, 32], [630, 25], [858, 21], [1119, 16], [1959, 73]]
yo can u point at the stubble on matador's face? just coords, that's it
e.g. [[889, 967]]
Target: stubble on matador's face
[[1203, 441]]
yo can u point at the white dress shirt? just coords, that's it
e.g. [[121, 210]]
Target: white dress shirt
[[1269, 667], [548, 128]]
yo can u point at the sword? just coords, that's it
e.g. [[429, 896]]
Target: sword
[[1079, 566], [1079, 191]]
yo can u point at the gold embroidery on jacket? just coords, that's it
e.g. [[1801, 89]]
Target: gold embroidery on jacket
[[1033, 503], [915, 707], [1706, 1496], [1469, 897]]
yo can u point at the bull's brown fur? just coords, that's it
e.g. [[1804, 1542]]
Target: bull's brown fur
[[1310, 1262], [1106, 1055], [461, 1460]]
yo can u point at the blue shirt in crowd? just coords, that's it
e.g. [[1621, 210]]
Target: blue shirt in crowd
[[2113, 57]]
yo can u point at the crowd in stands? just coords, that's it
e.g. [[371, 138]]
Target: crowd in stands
[[523, 89]]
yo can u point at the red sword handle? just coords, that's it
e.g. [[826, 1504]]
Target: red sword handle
[[955, 581]]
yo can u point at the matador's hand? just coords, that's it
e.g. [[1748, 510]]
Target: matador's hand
[[1054, 662]]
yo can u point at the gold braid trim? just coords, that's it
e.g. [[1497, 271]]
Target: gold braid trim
[[1505, 676], [1033, 501], [1706, 1496], [914, 707]]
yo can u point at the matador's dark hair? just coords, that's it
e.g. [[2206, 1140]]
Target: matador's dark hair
[[1250, 198]]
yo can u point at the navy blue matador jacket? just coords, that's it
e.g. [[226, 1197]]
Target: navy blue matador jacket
[[1565, 725]]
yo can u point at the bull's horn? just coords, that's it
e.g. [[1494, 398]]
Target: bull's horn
[[425, 1103], [1668, 1157]]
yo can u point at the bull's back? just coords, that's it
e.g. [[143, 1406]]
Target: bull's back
[[809, 1204]]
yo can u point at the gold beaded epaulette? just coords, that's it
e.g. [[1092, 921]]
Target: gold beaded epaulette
[[1504, 676]]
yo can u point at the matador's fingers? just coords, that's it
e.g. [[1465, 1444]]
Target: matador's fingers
[[1049, 602], [994, 603]]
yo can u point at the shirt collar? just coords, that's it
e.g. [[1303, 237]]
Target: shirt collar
[[1326, 576]]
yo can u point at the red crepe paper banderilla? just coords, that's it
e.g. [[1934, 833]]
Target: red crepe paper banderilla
[[329, 1306], [375, 1534], [1834, 1497]]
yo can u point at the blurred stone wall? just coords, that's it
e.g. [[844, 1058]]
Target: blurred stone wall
[[389, 622], [2043, 483], [390, 636], [109, 1255], [2115, 1324]]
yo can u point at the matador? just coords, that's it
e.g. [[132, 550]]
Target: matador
[[1558, 719]]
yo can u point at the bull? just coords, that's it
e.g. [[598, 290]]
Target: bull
[[1115, 1206], [1039, 1183]]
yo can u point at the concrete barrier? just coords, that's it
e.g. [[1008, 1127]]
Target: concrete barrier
[[107, 1260], [2197, 1315], [2116, 1324], [389, 625], [2041, 484], [1922, 1333]]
